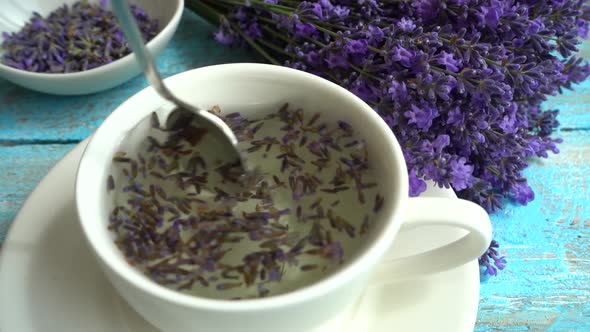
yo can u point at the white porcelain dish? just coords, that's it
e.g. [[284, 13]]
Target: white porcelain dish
[[15, 13]]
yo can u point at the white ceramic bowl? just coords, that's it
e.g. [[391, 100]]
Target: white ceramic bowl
[[15, 13]]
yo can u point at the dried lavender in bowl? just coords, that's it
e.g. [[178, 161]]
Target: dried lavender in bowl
[[309, 209], [72, 38]]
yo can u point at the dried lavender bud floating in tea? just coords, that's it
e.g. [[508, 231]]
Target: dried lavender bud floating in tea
[[174, 219], [71, 39]]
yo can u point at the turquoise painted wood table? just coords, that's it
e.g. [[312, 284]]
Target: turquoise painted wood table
[[546, 286]]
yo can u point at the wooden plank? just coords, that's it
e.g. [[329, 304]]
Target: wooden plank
[[574, 105], [28, 116], [547, 243], [21, 168]]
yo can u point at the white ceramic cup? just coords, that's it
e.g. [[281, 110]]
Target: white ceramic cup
[[249, 88]]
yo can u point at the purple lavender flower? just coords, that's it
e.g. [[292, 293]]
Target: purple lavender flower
[[459, 82], [362, 89], [339, 12], [421, 116], [374, 35], [406, 24], [440, 142], [326, 5], [304, 30], [417, 185], [492, 261], [426, 9], [223, 37], [313, 58], [71, 38], [461, 174], [240, 14], [535, 26], [402, 55], [253, 31], [397, 90], [489, 16], [311, 10], [448, 60], [522, 192], [356, 46], [582, 28], [335, 60]]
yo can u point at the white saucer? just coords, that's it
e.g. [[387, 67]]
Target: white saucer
[[50, 282]]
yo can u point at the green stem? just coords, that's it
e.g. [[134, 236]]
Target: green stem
[[275, 48], [279, 9], [318, 43], [211, 15], [493, 170], [331, 33], [448, 41], [316, 22], [214, 3], [268, 4], [276, 34], [448, 72], [334, 78], [364, 73], [253, 44], [374, 49]]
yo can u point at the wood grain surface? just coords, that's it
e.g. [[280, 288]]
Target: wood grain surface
[[546, 285]]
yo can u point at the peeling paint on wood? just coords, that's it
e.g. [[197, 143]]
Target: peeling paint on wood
[[21, 168], [546, 285]]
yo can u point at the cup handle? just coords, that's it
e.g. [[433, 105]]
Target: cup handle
[[430, 211]]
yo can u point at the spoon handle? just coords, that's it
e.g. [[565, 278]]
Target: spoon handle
[[136, 43]]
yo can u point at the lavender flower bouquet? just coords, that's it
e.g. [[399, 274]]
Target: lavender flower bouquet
[[460, 82]]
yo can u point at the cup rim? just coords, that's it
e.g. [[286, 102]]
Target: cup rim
[[87, 182]]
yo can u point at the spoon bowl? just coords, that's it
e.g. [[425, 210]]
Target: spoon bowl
[[183, 114]]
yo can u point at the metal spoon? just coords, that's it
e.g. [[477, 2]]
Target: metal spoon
[[226, 141]]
